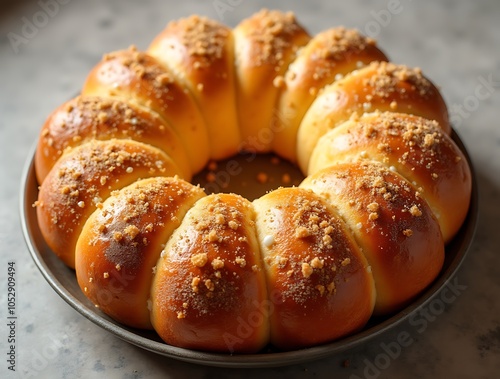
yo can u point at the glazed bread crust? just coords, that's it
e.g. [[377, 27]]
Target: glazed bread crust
[[265, 44], [379, 86], [320, 283], [87, 118], [141, 79], [391, 223], [200, 52], [209, 280], [364, 234], [328, 57], [117, 251], [86, 176], [410, 146]]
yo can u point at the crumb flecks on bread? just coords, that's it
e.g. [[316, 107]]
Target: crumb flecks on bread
[[415, 147], [200, 53], [328, 57], [211, 282], [362, 235], [265, 44], [86, 118], [121, 240], [380, 86]]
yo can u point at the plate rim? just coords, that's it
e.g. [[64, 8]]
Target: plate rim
[[258, 360]]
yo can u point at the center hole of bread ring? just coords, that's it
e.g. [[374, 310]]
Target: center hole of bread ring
[[248, 174]]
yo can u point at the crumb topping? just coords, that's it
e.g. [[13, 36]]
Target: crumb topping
[[317, 263], [204, 39], [423, 140], [131, 231], [273, 33], [408, 232], [212, 236], [415, 211], [301, 232], [380, 203], [76, 186], [389, 78], [339, 41], [89, 117], [346, 262], [307, 270], [199, 260], [241, 261], [135, 215], [219, 266], [331, 47], [316, 256]]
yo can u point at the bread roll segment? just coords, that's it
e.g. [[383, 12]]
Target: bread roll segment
[[86, 118], [86, 176], [122, 240], [417, 148], [327, 57], [200, 52], [139, 78], [209, 291], [265, 44], [392, 224], [379, 86], [319, 282]]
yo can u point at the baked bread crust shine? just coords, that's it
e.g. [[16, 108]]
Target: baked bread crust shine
[[362, 235]]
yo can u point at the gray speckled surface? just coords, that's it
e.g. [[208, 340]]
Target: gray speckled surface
[[456, 43]]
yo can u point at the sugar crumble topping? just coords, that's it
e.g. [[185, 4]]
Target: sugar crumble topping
[[204, 39], [221, 255], [387, 78], [320, 253], [273, 33]]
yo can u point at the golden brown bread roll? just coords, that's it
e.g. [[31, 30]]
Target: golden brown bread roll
[[391, 223], [327, 57], [119, 244], [379, 86], [94, 118], [209, 290], [265, 44], [363, 234], [416, 148], [83, 178], [139, 78], [319, 282], [200, 52]]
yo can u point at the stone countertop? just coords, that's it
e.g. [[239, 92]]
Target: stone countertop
[[456, 43]]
